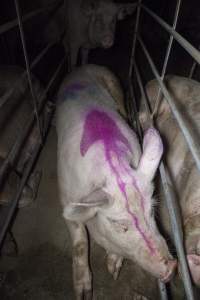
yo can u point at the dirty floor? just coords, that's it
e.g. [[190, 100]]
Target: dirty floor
[[42, 270]]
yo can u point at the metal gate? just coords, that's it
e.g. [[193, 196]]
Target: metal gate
[[7, 212], [132, 110]]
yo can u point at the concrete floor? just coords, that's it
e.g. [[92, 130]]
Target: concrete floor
[[42, 270]]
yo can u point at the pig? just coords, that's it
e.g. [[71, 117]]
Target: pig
[[179, 162], [89, 24], [105, 180], [14, 115]]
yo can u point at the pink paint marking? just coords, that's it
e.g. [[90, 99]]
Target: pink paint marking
[[99, 126]]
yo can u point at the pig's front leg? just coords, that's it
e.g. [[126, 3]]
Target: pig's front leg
[[114, 264], [81, 271]]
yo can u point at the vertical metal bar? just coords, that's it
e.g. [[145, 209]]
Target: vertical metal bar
[[34, 96], [134, 38], [194, 65], [174, 211], [69, 63], [163, 290], [167, 56]]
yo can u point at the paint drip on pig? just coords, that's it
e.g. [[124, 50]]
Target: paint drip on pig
[[182, 168], [105, 181]]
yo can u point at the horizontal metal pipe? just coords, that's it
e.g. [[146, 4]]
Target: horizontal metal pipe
[[173, 209], [11, 24], [10, 159], [181, 40], [187, 131]]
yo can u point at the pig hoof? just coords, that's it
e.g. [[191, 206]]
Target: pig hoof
[[114, 263], [83, 284], [30, 191], [34, 182], [194, 265]]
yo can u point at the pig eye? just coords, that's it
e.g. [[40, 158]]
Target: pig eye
[[121, 226]]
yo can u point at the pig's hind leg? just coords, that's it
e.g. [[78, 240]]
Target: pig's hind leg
[[81, 272], [114, 264]]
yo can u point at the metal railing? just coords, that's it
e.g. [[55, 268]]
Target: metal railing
[[174, 212], [41, 106]]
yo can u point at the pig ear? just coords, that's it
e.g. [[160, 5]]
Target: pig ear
[[152, 152], [87, 207], [125, 9]]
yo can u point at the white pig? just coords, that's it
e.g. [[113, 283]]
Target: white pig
[[105, 181], [182, 168]]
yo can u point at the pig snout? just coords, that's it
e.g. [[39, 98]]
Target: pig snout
[[107, 41], [160, 262]]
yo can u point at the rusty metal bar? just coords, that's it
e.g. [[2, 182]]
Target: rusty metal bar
[[12, 24], [173, 209], [178, 4], [32, 89], [10, 159], [181, 40]]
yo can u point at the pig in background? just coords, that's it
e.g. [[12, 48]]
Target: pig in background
[[14, 115], [105, 180], [88, 23], [180, 163]]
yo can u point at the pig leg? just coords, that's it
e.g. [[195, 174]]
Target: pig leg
[[81, 271], [114, 264]]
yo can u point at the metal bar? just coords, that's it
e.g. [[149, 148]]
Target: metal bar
[[181, 40], [194, 65], [167, 56], [134, 37], [134, 119], [177, 231], [32, 89], [187, 132], [18, 82], [173, 209], [163, 290], [11, 24], [11, 209], [18, 144]]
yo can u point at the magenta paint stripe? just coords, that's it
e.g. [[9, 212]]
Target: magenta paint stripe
[[122, 187], [99, 126]]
